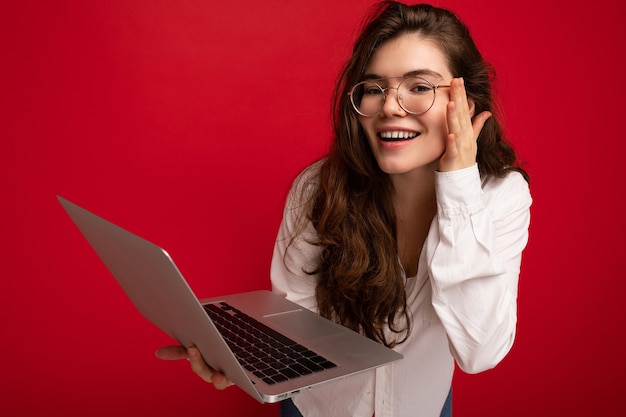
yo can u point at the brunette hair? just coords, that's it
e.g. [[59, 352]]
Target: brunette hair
[[361, 282]]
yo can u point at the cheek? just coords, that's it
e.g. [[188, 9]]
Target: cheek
[[439, 112], [436, 120]]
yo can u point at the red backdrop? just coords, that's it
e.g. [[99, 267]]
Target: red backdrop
[[186, 121]]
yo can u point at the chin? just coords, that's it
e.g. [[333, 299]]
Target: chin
[[405, 167], [395, 169]]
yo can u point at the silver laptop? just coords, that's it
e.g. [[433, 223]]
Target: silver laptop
[[268, 346]]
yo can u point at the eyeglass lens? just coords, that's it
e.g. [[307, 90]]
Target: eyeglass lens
[[415, 95]]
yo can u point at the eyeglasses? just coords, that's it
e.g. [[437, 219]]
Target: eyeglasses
[[416, 95]]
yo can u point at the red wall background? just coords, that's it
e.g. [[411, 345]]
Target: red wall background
[[186, 121]]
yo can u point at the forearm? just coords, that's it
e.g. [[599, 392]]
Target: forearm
[[475, 250]]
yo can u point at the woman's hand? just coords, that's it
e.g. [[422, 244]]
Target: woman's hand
[[462, 131], [198, 365]]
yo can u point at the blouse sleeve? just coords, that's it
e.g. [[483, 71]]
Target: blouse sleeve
[[474, 250], [295, 258]]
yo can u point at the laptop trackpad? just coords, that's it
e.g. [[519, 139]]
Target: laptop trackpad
[[303, 324]]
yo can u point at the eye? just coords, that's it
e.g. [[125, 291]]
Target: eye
[[371, 89], [419, 87]]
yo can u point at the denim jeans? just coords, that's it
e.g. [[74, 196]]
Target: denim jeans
[[288, 408], [446, 411]]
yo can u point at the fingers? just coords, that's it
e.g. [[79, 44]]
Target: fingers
[[171, 353], [204, 371], [198, 365], [458, 111], [220, 381], [461, 120], [461, 147]]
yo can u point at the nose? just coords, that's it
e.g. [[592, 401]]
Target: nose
[[391, 105]]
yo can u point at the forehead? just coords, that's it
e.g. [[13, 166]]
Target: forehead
[[408, 53]]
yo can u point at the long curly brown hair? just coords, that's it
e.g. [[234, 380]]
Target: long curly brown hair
[[361, 282]]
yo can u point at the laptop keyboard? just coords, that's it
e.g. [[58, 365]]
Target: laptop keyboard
[[261, 350]]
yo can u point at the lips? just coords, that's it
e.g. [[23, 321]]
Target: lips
[[397, 135]]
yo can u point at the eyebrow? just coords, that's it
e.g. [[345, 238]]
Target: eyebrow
[[414, 73]]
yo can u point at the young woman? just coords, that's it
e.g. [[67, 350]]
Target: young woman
[[411, 229]]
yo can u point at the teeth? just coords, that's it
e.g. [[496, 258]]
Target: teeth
[[398, 134]]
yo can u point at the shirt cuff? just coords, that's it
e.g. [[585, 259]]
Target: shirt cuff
[[458, 192]]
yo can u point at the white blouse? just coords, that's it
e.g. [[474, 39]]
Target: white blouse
[[462, 301]]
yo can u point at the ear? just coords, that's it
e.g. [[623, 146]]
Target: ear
[[472, 106]]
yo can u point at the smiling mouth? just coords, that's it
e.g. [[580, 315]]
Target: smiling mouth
[[397, 135]]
